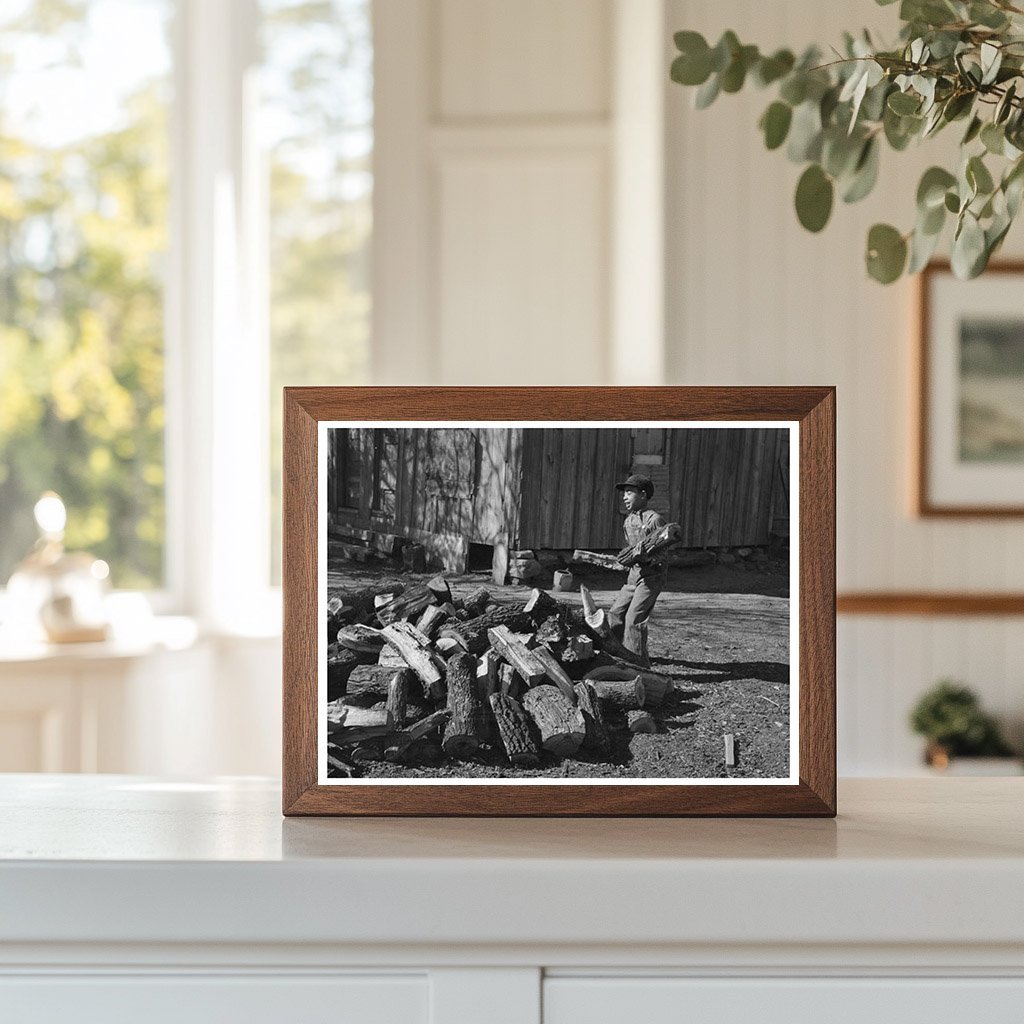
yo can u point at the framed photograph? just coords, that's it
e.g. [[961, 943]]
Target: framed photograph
[[559, 601], [970, 444]]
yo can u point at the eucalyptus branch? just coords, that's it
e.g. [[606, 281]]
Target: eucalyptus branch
[[834, 116]]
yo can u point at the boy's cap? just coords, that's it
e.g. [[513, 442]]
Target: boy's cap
[[638, 483]]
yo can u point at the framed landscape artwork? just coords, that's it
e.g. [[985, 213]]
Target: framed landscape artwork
[[970, 444], [559, 601]]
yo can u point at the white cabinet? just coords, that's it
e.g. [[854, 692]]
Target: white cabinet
[[204, 999], [823, 1000], [126, 898]]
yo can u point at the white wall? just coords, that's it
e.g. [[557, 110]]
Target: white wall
[[754, 299]]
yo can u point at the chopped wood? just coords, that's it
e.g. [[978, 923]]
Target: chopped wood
[[581, 648], [597, 738], [476, 603], [376, 679], [410, 643], [357, 637], [358, 602], [524, 661], [551, 630], [595, 558], [561, 724], [730, 750], [515, 732], [438, 586], [487, 673], [656, 688], [467, 728], [510, 682], [640, 721], [336, 768], [414, 558], [652, 543], [556, 673], [409, 605], [446, 646], [340, 663], [540, 605], [398, 697], [472, 635], [563, 581], [589, 604], [381, 600], [432, 619], [522, 555], [525, 568], [390, 657], [625, 694]]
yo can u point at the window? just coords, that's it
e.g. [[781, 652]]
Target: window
[[83, 239], [317, 124]]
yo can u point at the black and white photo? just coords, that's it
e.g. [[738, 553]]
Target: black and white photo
[[558, 602]]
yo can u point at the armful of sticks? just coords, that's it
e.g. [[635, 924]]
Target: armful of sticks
[[658, 541]]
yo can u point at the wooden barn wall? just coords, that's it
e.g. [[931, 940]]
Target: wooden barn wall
[[447, 481], [719, 482]]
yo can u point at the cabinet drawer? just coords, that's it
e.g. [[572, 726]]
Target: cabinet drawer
[[202, 999], [675, 1000]]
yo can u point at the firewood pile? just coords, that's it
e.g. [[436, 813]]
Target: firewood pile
[[418, 678]]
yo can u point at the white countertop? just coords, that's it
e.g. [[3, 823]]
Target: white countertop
[[125, 859]]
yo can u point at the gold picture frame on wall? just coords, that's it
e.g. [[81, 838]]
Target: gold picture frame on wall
[[969, 449], [340, 493]]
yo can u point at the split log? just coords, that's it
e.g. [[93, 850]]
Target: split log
[[656, 688], [361, 638], [446, 646], [563, 581], [556, 673], [438, 586], [340, 664], [580, 648], [561, 724], [487, 673], [376, 680], [433, 618], [390, 657], [408, 605], [594, 558], [398, 697], [414, 648], [525, 568], [510, 683], [625, 694], [467, 728], [640, 721], [524, 661], [551, 630], [476, 603], [597, 738], [540, 605], [514, 729], [358, 602], [472, 634]]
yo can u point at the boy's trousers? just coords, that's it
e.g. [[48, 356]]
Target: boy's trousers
[[630, 611]]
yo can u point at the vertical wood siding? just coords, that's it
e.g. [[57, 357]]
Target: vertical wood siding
[[719, 489]]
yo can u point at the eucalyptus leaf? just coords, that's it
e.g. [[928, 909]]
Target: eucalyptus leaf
[[707, 93], [978, 176], [814, 195], [922, 248], [805, 133], [865, 173], [968, 247], [771, 69], [931, 190], [775, 124], [993, 138], [904, 103], [886, 253], [973, 130]]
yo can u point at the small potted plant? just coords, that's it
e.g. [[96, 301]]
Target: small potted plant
[[950, 718]]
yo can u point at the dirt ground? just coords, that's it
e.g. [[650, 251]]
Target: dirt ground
[[721, 633]]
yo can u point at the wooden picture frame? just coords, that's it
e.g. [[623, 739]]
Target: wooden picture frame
[[808, 413], [946, 482]]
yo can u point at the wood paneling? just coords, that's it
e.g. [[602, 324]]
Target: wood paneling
[[719, 483]]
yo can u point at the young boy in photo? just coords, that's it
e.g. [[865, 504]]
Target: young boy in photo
[[632, 607]]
